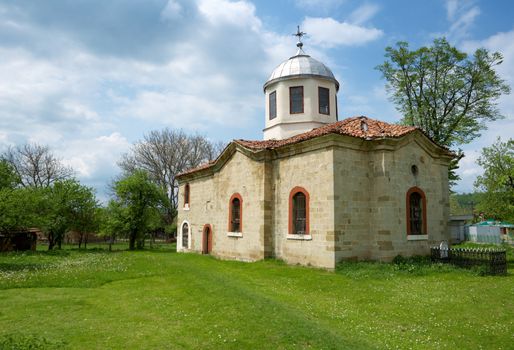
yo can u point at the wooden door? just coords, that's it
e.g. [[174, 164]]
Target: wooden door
[[207, 239]]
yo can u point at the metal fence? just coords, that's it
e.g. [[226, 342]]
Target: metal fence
[[493, 261]]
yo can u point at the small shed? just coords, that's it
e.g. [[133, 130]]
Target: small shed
[[18, 241], [458, 227], [489, 231]]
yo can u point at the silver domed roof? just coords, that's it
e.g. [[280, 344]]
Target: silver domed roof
[[301, 65]]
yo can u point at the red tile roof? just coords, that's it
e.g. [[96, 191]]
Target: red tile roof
[[361, 127]]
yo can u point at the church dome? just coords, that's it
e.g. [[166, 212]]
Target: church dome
[[299, 66]]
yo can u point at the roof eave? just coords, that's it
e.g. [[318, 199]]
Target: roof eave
[[298, 76]]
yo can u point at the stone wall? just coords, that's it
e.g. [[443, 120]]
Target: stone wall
[[357, 191], [352, 192], [313, 171], [371, 212], [209, 204]]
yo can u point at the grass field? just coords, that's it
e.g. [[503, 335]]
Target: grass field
[[158, 299]]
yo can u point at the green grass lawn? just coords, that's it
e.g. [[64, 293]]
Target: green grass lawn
[[158, 299]]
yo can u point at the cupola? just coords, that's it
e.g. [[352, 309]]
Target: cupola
[[301, 94]]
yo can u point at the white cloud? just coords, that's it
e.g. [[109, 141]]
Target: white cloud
[[223, 12], [363, 13], [327, 32], [461, 14], [459, 29], [468, 171], [502, 42], [92, 157], [451, 9], [171, 11], [4, 141]]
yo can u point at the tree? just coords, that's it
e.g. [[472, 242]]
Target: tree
[[17, 209], [444, 92], [498, 180], [84, 212], [36, 166], [8, 178], [63, 206], [166, 153], [114, 221], [138, 201]]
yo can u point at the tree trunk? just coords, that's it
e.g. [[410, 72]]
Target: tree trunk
[[132, 241]]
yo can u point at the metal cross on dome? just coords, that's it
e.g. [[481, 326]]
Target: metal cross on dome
[[299, 34]]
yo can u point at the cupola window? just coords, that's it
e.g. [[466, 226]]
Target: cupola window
[[337, 110], [296, 99], [273, 105], [324, 100]]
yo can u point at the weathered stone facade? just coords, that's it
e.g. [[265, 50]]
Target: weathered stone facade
[[357, 202]]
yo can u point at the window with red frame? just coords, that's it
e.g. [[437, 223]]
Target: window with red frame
[[416, 212], [235, 223]]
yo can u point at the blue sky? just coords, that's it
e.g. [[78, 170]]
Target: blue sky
[[89, 78]]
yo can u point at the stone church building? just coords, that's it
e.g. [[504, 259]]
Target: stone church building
[[316, 190]]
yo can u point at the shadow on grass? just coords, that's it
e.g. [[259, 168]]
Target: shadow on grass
[[13, 267]]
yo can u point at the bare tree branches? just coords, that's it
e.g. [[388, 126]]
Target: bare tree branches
[[166, 153], [36, 166]]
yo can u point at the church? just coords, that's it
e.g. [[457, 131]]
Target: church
[[316, 191]]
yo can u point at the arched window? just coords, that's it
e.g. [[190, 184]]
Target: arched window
[[416, 212], [186, 196], [235, 216], [185, 235], [299, 211]]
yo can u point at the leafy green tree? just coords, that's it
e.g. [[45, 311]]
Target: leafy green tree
[[444, 92], [8, 177], [114, 222], [498, 180], [140, 198], [18, 209], [63, 206], [83, 211]]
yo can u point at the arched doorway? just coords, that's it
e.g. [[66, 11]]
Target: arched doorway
[[207, 239]]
